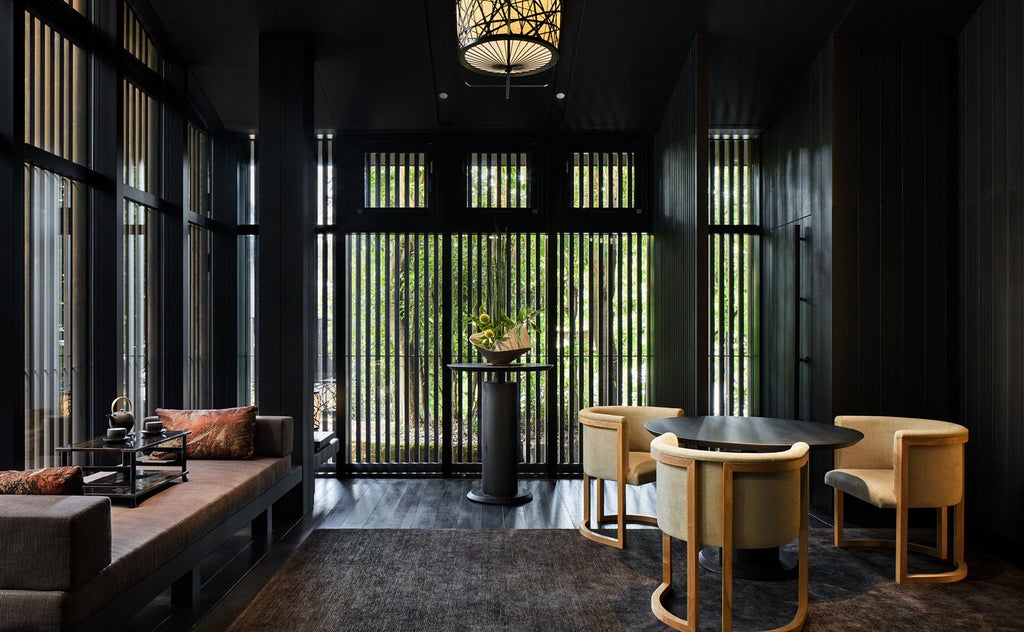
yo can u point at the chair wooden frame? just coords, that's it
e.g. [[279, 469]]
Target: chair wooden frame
[[692, 620], [620, 518], [902, 543]]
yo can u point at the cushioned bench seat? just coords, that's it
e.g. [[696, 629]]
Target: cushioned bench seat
[[100, 551]]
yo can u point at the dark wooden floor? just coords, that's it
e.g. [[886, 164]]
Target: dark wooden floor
[[240, 568]]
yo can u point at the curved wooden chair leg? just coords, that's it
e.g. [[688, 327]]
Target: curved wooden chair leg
[[800, 618], [658, 608], [960, 566], [620, 518]]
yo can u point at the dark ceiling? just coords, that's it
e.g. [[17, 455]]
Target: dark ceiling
[[382, 65]]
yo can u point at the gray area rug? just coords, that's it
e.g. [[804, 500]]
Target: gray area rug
[[439, 580]]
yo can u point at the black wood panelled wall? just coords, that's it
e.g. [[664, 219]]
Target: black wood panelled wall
[[797, 311], [894, 207], [860, 278], [991, 302], [680, 301], [796, 176]]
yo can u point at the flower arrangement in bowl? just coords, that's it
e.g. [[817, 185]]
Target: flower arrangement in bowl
[[502, 338]]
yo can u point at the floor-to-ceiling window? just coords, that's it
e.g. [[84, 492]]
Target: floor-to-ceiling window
[[107, 302], [325, 383], [199, 331], [734, 229], [248, 269], [56, 235], [140, 253]]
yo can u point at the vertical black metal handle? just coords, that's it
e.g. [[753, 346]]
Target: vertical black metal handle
[[796, 324]]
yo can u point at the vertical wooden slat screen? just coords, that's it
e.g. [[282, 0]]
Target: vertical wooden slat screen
[[55, 92], [324, 378], [734, 233], [395, 344], [137, 42], [474, 263], [200, 370], [603, 352], [394, 348], [603, 180], [139, 259], [395, 180], [54, 214], [498, 180]]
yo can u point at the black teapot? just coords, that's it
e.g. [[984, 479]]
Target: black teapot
[[121, 417]]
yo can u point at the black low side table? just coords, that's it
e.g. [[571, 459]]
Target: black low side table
[[137, 474], [499, 432]]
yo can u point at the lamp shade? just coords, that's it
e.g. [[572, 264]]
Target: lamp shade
[[508, 37]]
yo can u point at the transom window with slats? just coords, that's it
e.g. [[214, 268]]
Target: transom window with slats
[[141, 139], [395, 179], [603, 180], [498, 180], [199, 165], [82, 6], [56, 92], [137, 42]]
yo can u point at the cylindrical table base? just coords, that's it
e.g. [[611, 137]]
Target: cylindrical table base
[[499, 441], [757, 564]]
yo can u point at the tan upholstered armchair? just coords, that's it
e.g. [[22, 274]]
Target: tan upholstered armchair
[[744, 500], [903, 464], [617, 447]]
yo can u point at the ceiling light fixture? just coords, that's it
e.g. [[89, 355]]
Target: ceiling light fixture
[[508, 37]]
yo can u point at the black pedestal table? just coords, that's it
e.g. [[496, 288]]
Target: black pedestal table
[[499, 432]]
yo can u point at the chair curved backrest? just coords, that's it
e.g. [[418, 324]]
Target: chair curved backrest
[[732, 500], [766, 494], [932, 456], [601, 446], [617, 447]]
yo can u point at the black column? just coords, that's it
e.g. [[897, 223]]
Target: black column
[[12, 233], [225, 311], [106, 238], [285, 201], [174, 300]]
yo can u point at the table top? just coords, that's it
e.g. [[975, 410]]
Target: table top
[[484, 367], [753, 434], [137, 441]]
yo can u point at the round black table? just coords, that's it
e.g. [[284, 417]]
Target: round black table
[[499, 432], [752, 434]]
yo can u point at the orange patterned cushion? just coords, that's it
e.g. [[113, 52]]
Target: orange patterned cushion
[[227, 433], [51, 481]]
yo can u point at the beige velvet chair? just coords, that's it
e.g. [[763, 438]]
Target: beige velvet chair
[[617, 447], [903, 464], [744, 500]]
